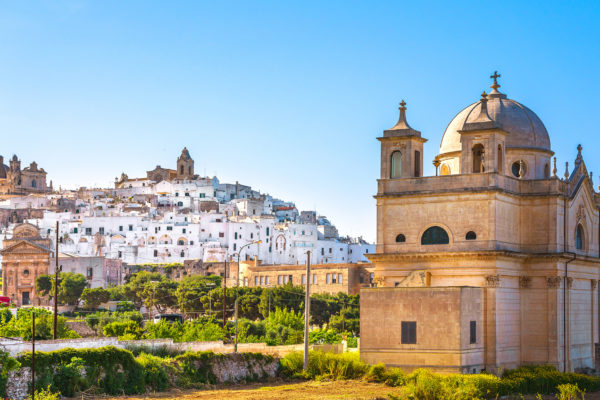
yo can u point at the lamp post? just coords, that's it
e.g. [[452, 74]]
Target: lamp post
[[436, 164], [237, 285]]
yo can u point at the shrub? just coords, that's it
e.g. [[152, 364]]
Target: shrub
[[44, 394], [7, 364], [569, 392], [160, 351], [292, 364], [155, 374], [121, 328]]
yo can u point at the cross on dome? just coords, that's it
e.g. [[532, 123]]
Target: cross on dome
[[495, 78]]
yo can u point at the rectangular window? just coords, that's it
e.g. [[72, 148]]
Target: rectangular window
[[279, 279], [340, 279], [235, 235], [314, 279], [417, 163], [130, 227], [328, 278], [155, 253], [120, 254], [169, 228], [101, 230], [303, 279], [90, 273], [267, 280], [75, 230], [221, 234], [255, 281], [291, 279], [322, 251], [262, 280], [330, 250], [285, 279], [88, 231], [120, 228], [234, 246], [267, 231], [252, 236], [333, 278], [473, 329], [270, 249], [409, 332]]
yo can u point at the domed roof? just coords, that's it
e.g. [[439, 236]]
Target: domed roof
[[524, 128]]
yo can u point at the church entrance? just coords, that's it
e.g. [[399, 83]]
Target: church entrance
[[25, 299]]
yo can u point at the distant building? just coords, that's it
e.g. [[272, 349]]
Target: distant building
[[14, 180], [25, 256]]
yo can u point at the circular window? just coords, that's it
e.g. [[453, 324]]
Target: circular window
[[471, 235], [26, 272], [400, 238], [516, 167]]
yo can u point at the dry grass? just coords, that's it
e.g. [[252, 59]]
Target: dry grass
[[311, 390]]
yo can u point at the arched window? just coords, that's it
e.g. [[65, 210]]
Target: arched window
[[400, 238], [445, 169], [500, 160], [547, 171], [26, 272], [181, 170], [396, 165], [516, 169], [579, 238], [33, 183], [435, 235], [478, 158], [471, 235], [190, 170]]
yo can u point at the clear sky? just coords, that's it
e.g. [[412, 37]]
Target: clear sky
[[287, 97]]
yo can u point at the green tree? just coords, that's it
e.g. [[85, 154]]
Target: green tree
[[153, 289], [94, 297], [286, 296], [70, 286], [212, 303], [192, 289]]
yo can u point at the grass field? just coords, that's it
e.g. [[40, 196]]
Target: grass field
[[311, 390]]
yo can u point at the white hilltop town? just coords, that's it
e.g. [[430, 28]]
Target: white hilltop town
[[171, 216]]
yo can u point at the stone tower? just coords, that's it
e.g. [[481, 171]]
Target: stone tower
[[185, 165]]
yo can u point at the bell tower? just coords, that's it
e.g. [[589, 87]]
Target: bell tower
[[185, 165], [401, 150]]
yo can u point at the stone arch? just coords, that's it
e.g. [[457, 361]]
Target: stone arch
[[400, 238], [445, 169], [580, 237], [478, 152], [152, 240], [165, 239], [182, 241]]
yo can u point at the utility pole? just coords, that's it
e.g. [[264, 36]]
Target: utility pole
[[225, 294], [32, 353], [306, 310], [55, 331], [237, 286]]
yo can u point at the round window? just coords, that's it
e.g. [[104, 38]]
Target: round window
[[516, 168]]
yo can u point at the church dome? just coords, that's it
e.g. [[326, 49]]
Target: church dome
[[524, 128]]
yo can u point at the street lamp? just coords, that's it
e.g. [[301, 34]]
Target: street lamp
[[237, 285]]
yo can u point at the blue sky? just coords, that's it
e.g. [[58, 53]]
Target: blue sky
[[288, 97]]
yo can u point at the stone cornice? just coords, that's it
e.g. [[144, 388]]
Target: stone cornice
[[479, 255]]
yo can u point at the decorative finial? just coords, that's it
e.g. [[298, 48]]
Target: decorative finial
[[402, 125], [495, 77], [592, 178], [579, 158], [567, 170], [436, 164], [554, 170], [484, 96], [402, 106]]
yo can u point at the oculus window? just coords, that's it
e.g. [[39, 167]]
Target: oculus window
[[400, 238]]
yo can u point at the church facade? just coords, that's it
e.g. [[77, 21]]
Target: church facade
[[19, 181], [25, 256], [490, 264]]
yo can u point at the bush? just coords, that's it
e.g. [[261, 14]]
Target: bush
[[160, 351], [155, 374], [44, 394], [122, 328]]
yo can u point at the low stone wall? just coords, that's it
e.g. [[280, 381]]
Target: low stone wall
[[15, 347]]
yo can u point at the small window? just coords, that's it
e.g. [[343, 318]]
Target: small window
[[314, 279], [400, 238], [435, 235], [267, 280], [155, 253], [256, 281], [409, 332], [279, 279], [26, 272], [471, 235], [328, 278], [291, 279], [120, 254], [120, 228], [516, 169], [579, 237], [473, 332], [262, 280], [130, 227], [303, 279], [417, 163], [340, 279], [182, 254]]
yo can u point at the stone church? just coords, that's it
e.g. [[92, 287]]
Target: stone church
[[25, 256], [490, 264], [14, 180]]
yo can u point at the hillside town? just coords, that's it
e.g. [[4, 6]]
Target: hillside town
[[169, 216]]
